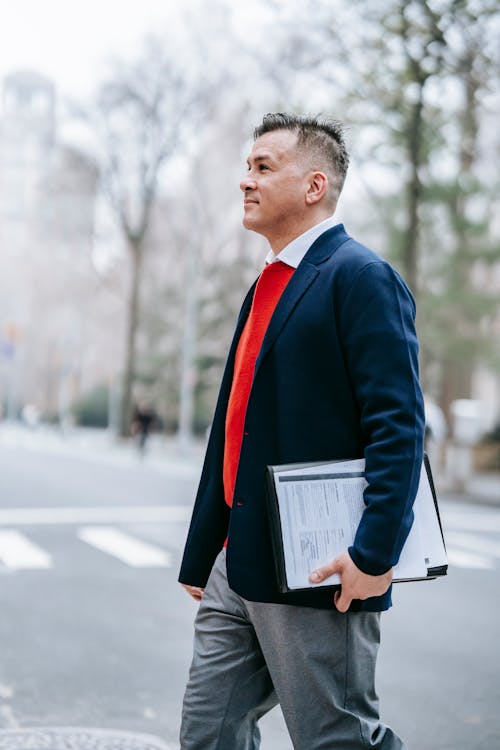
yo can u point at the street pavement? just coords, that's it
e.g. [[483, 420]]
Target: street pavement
[[96, 632]]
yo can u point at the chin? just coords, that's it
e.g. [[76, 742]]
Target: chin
[[248, 223]]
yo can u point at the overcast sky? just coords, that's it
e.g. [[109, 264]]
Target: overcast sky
[[71, 41]]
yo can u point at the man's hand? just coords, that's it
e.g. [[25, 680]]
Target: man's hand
[[195, 591], [354, 583]]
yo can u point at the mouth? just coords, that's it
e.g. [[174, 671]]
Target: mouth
[[249, 202]]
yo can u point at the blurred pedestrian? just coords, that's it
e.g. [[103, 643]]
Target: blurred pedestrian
[[143, 421], [323, 366]]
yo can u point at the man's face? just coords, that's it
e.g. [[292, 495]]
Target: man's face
[[275, 185]]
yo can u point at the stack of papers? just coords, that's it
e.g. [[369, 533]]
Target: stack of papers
[[315, 510]]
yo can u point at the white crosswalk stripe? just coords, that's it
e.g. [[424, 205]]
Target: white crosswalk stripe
[[477, 542], [460, 558], [133, 552], [471, 536], [17, 552]]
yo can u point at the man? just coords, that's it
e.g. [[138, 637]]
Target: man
[[323, 366], [143, 420]]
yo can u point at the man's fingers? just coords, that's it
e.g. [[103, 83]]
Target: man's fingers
[[326, 571], [342, 603], [195, 591]]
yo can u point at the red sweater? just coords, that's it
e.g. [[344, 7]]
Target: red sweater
[[269, 289]]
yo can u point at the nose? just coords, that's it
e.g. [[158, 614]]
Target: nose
[[247, 183]]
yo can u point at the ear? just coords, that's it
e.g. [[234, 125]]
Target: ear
[[318, 185]]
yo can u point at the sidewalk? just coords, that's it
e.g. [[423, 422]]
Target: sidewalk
[[163, 453]]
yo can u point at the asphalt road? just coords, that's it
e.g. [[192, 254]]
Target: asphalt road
[[96, 632]]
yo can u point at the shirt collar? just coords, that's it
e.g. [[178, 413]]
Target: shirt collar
[[293, 253]]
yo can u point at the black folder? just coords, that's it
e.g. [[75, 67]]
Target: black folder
[[278, 473]]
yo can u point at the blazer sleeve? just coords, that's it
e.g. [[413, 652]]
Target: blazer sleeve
[[377, 327]]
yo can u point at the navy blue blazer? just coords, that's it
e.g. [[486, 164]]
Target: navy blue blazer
[[336, 377]]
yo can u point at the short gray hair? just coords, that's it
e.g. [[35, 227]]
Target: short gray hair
[[324, 139]]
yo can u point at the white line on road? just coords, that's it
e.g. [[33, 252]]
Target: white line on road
[[134, 552], [89, 515], [474, 542], [463, 559], [472, 521], [18, 553]]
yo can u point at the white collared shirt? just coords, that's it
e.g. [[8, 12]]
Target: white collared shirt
[[293, 253]]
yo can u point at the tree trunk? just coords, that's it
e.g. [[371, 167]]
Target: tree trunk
[[457, 373], [188, 348], [413, 196], [131, 335]]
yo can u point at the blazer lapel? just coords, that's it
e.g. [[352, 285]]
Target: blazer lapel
[[294, 290], [323, 247], [242, 319]]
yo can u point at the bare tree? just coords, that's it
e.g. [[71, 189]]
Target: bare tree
[[462, 317], [412, 78], [205, 230], [143, 115]]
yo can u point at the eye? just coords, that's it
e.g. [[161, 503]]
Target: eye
[[262, 167]]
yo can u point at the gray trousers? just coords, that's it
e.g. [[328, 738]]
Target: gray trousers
[[250, 656]]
